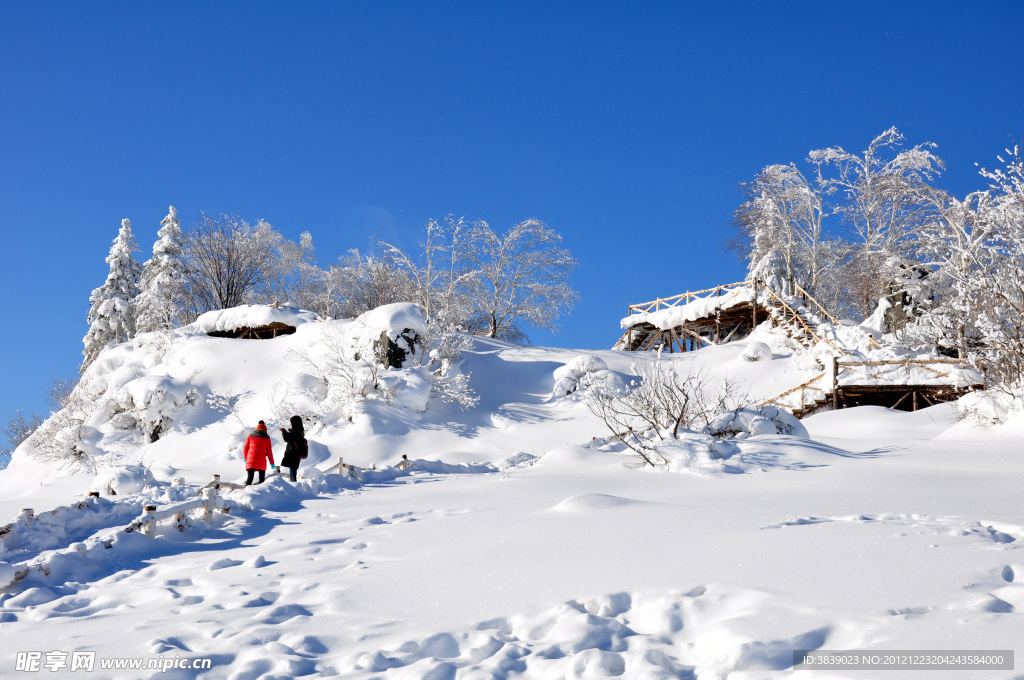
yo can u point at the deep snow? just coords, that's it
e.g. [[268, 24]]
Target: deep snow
[[533, 549]]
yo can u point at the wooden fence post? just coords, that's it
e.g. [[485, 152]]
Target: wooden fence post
[[835, 383]]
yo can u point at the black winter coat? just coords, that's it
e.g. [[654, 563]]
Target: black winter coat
[[291, 451]]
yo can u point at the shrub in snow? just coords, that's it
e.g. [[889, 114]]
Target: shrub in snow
[[148, 403], [991, 407], [125, 480], [746, 422], [390, 354], [659, 407], [757, 351], [580, 372]]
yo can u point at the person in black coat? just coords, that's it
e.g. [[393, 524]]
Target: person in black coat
[[295, 440]]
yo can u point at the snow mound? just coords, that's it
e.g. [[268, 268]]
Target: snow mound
[[590, 502], [748, 422], [125, 480], [393, 319], [6, 574], [250, 316], [757, 351]]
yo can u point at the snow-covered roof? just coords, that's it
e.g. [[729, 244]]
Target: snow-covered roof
[[251, 316], [699, 308]]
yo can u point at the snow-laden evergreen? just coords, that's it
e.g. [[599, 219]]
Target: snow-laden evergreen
[[156, 307], [111, 306]]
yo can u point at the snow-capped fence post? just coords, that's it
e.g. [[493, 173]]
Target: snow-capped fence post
[[215, 483], [148, 520], [209, 497]]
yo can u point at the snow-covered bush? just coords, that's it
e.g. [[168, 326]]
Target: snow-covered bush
[[60, 439], [659, 406], [746, 422], [757, 351], [389, 354], [149, 403], [991, 407], [580, 373]]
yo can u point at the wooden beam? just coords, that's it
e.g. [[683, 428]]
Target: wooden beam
[[901, 400]]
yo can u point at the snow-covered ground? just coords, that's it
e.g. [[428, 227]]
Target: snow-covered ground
[[535, 551]]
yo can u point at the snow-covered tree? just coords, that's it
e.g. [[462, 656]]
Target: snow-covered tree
[[977, 246], [156, 307], [788, 227], [224, 263], [111, 312], [443, 275], [290, 273], [523, 279], [359, 283], [781, 223], [883, 195], [19, 428]]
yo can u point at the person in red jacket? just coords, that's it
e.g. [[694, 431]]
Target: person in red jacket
[[257, 453]]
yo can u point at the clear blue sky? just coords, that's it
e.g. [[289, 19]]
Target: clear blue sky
[[625, 126]]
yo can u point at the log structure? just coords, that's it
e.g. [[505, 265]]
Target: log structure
[[693, 320], [906, 385], [258, 333]]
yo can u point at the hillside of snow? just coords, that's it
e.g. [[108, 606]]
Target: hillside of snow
[[522, 542]]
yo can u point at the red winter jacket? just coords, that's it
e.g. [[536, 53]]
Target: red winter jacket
[[257, 449]]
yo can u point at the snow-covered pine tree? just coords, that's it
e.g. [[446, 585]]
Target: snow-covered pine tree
[[155, 307], [111, 312]]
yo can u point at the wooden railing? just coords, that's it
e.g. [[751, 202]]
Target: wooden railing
[[907, 363], [682, 298], [789, 312], [802, 388], [838, 366]]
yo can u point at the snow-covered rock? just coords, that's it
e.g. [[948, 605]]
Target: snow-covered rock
[[393, 334]]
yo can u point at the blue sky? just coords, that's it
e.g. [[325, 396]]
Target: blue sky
[[625, 126]]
